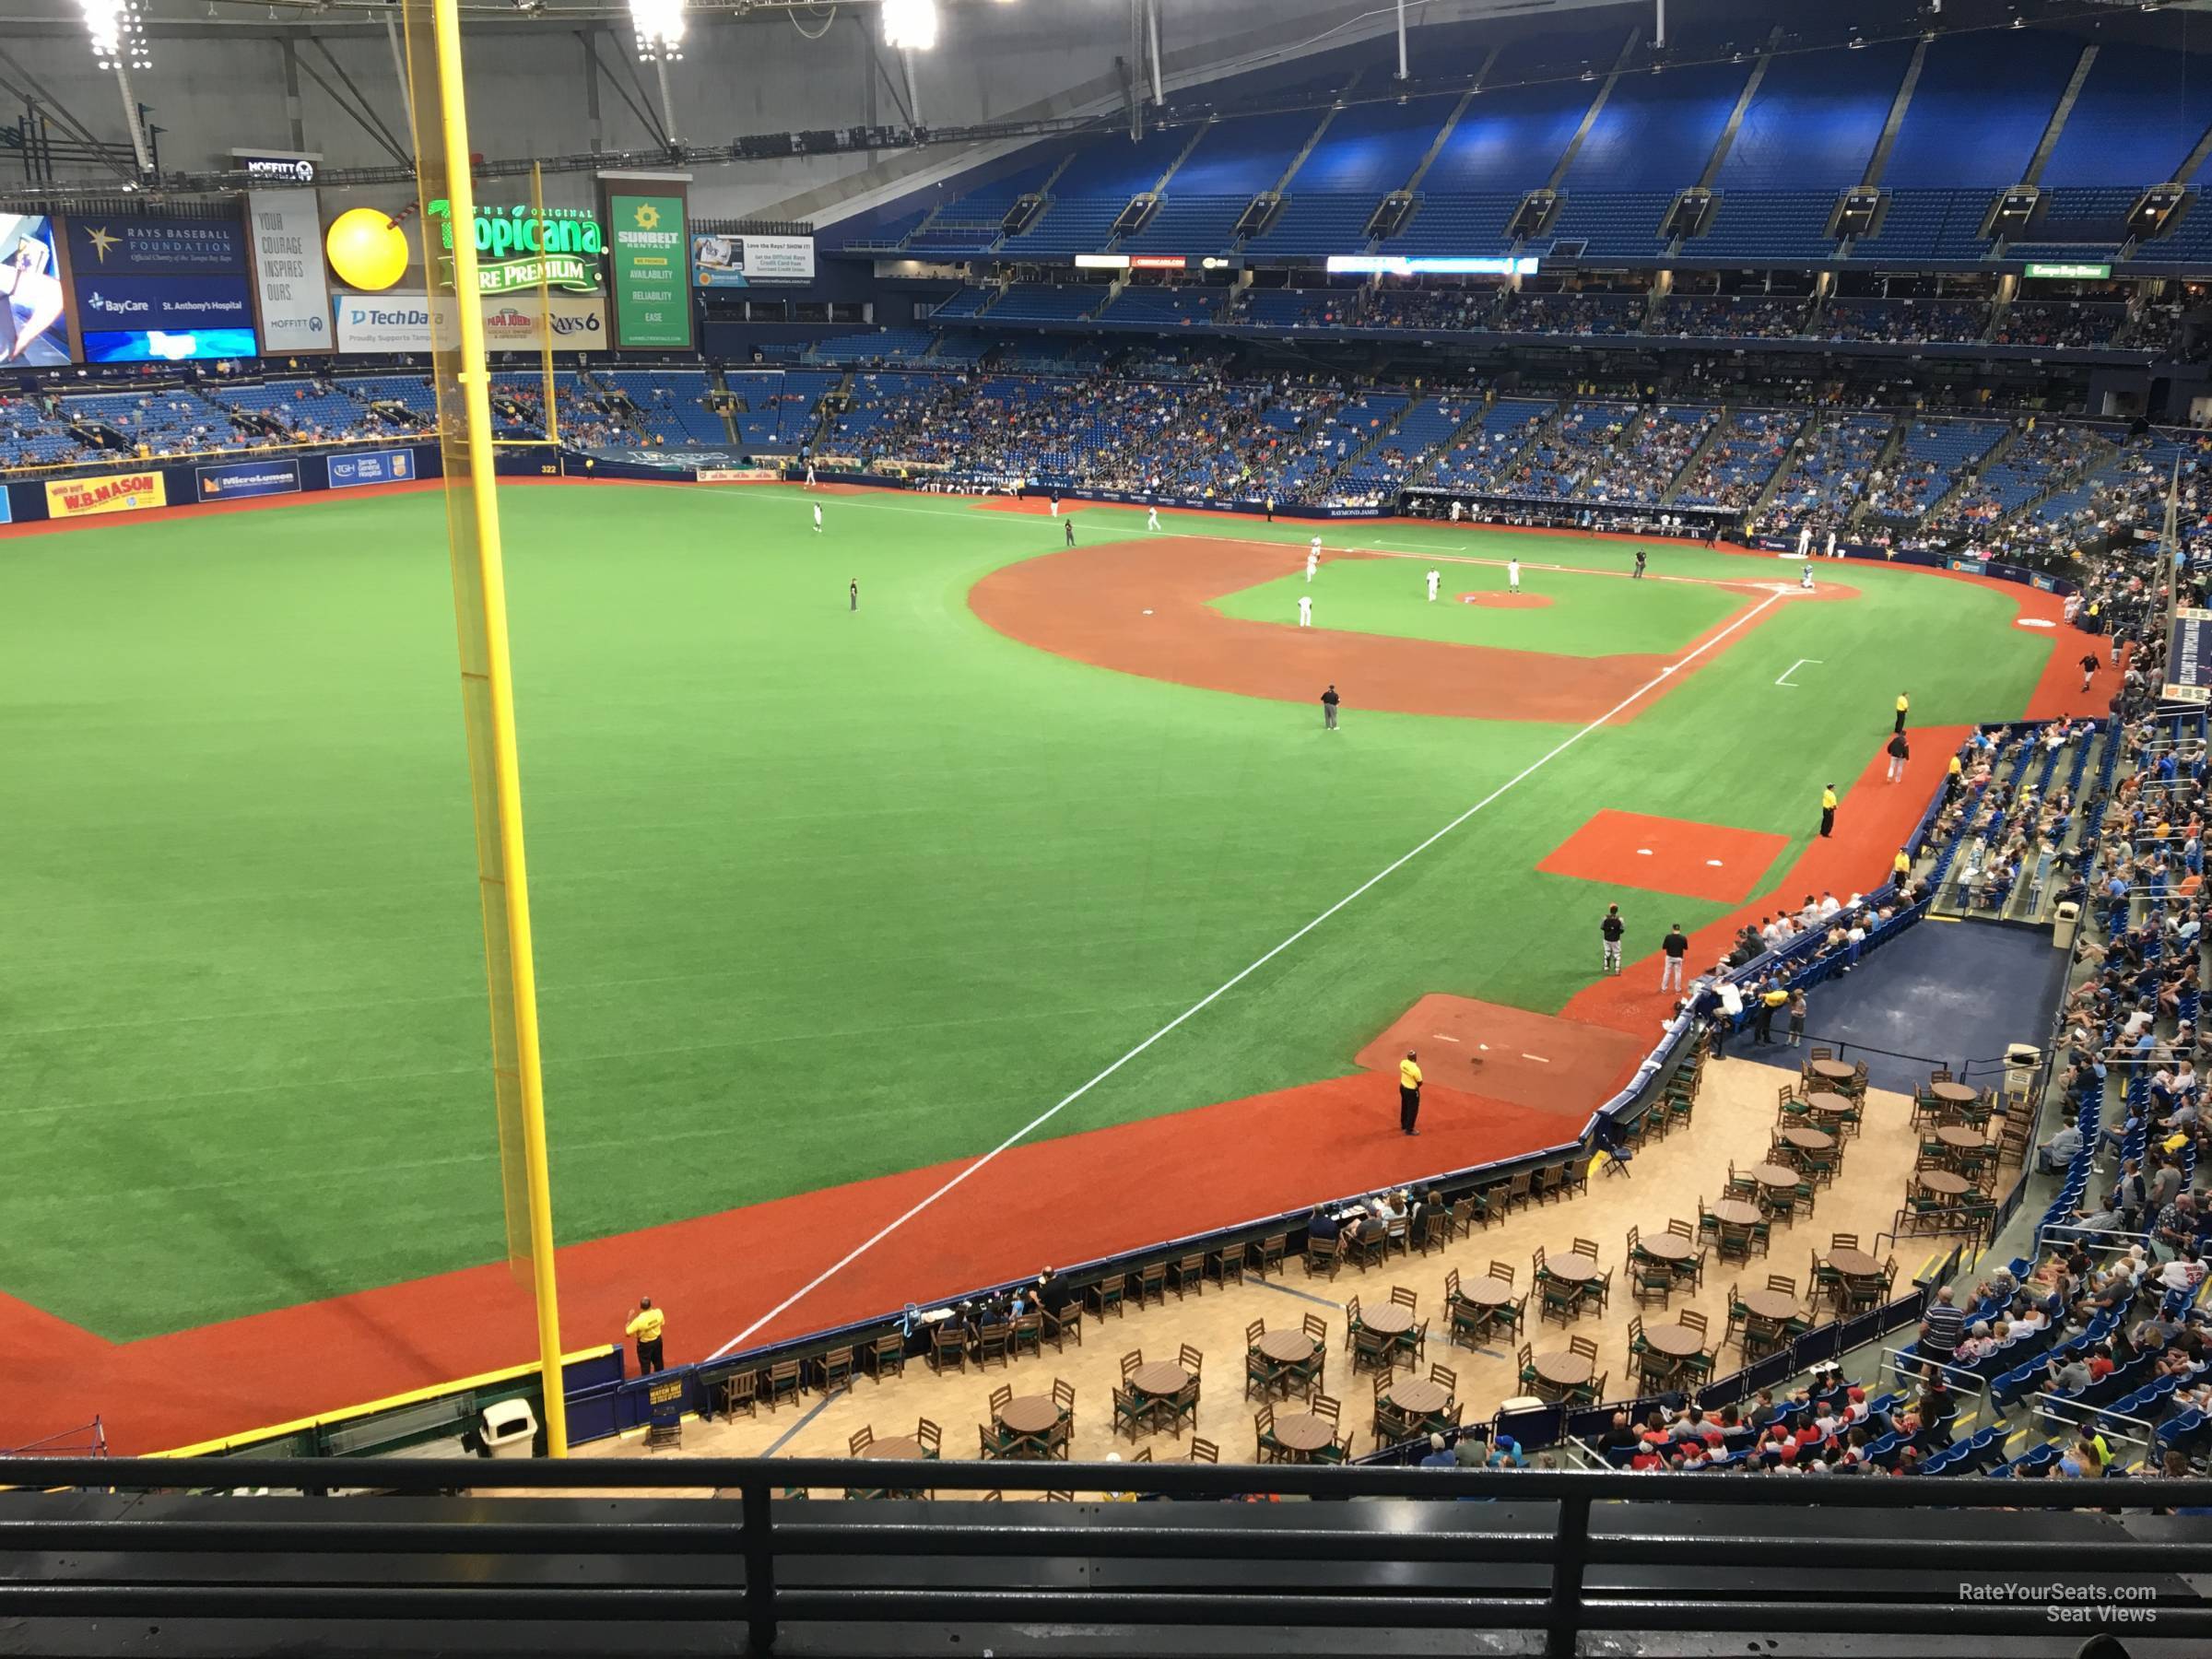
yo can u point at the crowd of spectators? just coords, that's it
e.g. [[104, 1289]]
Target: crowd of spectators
[[2059, 323], [1902, 321], [1744, 317]]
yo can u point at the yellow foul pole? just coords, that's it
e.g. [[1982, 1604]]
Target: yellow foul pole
[[441, 150]]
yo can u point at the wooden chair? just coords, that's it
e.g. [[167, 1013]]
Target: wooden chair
[[1586, 1247], [1025, 1337], [931, 1437], [1001, 1397], [1189, 1275], [1467, 1322], [783, 1381], [1519, 1190], [860, 1440], [990, 1346], [1326, 1406], [1203, 1451], [1131, 1362], [1446, 1376], [1190, 1358], [1132, 1412], [992, 1442], [1266, 1448], [1371, 1350], [1402, 1298], [834, 1370], [1598, 1292], [1327, 1259], [1226, 1264], [1525, 1362], [948, 1348], [1561, 1299], [740, 1391], [1267, 1255], [1181, 1407], [1316, 1327], [1110, 1295], [1064, 1397], [1152, 1284], [1654, 1280]]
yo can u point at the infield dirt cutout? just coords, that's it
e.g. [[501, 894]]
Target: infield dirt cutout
[[1143, 607], [1507, 601], [1665, 855]]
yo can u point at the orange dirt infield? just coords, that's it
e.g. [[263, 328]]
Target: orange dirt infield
[[1667, 855], [1507, 601], [1528, 1060], [1143, 607]]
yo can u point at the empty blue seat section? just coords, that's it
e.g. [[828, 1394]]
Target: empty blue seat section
[[1333, 222], [1508, 140], [1980, 109], [1623, 225], [1244, 157], [2191, 239], [968, 222], [1815, 120], [1929, 224], [1775, 223], [1657, 131], [2137, 118], [1119, 169], [1170, 307], [2078, 224], [1457, 224], [1048, 302], [1373, 148], [966, 302], [1084, 225], [1200, 225], [879, 227]]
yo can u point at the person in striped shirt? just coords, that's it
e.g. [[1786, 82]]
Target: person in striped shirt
[[1939, 1330]]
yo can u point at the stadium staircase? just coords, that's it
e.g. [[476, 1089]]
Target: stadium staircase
[[1691, 462], [2074, 478], [1325, 485], [1542, 436], [1969, 477], [1773, 487], [1883, 462]]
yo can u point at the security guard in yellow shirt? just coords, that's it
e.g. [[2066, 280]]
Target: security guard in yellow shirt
[[1828, 809], [1902, 706], [1901, 865], [1409, 1092], [645, 1323]]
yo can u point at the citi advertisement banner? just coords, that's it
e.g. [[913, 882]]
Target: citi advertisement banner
[[384, 323], [118, 492], [377, 466], [248, 479]]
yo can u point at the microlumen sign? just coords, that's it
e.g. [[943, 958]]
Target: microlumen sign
[[515, 246]]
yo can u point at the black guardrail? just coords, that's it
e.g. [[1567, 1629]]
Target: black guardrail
[[1552, 1555]]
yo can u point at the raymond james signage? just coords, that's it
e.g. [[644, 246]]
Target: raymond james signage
[[514, 245]]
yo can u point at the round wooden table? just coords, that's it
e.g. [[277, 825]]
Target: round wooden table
[[1286, 1347], [1418, 1398], [1029, 1413], [1945, 1183], [897, 1445], [1574, 1267], [1776, 1305], [1665, 1247], [1955, 1094], [1738, 1212], [1678, 1341], [1303, 1433], [1775, 1175], [1488, 1291], [1832, 1071], [1564, 1369], [1808, 1140], [1853, 1263], [1827, 1105], [1389, 1320], [1160, 1377], [1959, 1138]]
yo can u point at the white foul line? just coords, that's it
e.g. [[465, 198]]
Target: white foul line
[[1538, 1058], [1228, 985], [1783, 678]]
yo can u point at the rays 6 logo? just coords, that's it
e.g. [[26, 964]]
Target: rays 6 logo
[[586, 325]]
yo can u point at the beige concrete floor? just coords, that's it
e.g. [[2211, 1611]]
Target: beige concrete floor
[[1734, 1115]]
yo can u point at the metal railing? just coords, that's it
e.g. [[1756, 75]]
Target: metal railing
[[1562, 1555]]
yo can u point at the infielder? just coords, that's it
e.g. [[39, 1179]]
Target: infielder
[[1609, 930], [1152, 518], [1313, 559], [1512, 575], [817, 518], [1434, 577], [1305, 610]]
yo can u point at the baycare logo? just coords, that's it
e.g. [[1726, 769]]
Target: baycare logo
[[586, 325], [121, 308]]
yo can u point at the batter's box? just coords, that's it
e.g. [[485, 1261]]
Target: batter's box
[[1667, 855]]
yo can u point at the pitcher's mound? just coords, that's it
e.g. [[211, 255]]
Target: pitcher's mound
[[1533, 1060], [1508, 601]]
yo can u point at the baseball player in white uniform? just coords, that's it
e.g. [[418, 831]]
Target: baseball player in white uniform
[[1312, 561], [1512, 575], [1152, 518], [817, 518], [1434, 577], [1805, 540], [1305, 610]]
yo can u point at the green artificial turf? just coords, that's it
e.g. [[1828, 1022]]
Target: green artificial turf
[[1604, 614], [817, 896]]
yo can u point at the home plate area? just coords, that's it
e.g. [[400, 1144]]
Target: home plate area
[[1667, 855], [1502, 1054]]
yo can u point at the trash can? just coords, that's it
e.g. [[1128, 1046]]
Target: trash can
[[2022, 1061], [2062, 930], [510, 1429]]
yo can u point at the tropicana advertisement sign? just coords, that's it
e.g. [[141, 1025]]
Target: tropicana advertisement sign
[[516, 246]]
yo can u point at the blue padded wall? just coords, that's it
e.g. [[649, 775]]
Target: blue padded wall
[[1508, 140], [1980, 109], [1814, 120], [1657, 131], [1114, 167]]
